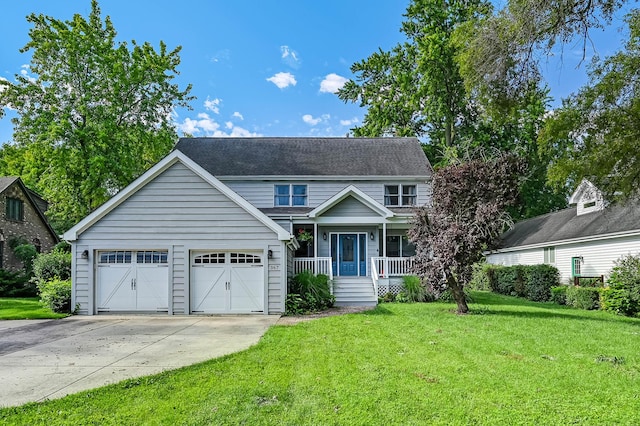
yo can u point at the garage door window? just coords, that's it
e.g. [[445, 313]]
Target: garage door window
[[209, 258], [244, 258], [112, 257], [152, 257]]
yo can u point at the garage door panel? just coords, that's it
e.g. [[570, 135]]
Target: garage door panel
[[247, 289], [151, 285], [227, 282], [209, 288], [115, 287], [129, 280]]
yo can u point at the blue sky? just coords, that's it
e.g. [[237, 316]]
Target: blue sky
[[263, 68]]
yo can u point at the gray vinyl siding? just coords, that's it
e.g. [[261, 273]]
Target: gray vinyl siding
[[179, 211], [260, 193], [350, 207], [81, 271]]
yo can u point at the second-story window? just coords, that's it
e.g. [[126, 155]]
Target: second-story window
[[15, 209], [400, 195], [290, 195]]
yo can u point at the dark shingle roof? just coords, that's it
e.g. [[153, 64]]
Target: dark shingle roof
[[567, 225], [307, 156], [6, 181]]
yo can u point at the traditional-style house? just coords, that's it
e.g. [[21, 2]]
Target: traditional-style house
[[221, 224], [584, 240], [23, 220]]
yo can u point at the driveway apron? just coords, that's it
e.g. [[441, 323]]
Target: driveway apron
[[42, 360]]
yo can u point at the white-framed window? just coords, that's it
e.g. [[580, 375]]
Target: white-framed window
[[400, 195], [550, 255], [289, 195]]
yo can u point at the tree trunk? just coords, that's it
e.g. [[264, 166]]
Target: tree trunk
[[457, 291]]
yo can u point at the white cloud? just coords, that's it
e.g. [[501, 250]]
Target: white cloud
[[213, 105], [354, 120], [204, 125], [308, 118], [332, 83], [238, 115], [283, 79], [290, 56], [25, 73]]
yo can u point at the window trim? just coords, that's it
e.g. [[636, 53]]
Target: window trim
[[291, 195], [549, 255], [401, 194]]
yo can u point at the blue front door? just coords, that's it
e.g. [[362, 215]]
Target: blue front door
[[348, 253]]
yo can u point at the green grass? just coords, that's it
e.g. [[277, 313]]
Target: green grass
[[508, 362], [24, 308]]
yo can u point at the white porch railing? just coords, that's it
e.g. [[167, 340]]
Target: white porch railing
[[374, 276], [317, 265], [392, 266]]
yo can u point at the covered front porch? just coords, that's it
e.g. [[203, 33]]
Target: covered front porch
[[357, 242]]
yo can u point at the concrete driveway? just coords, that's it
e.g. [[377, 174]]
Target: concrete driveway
[[49, 359]]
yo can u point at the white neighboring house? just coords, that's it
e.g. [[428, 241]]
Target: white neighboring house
[[220, 224], [583, 240]]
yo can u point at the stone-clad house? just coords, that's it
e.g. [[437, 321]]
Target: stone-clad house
[[23, 217]]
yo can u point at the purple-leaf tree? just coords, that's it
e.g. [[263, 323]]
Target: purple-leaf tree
[[467, 216]]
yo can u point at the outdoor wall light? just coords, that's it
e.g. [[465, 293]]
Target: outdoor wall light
[[270, 253], [324, 236], [372, 236], [85, 254]]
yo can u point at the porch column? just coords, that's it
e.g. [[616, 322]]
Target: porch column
[[315, 248], [384, 248]]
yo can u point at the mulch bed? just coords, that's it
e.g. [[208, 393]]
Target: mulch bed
[[295, 319]]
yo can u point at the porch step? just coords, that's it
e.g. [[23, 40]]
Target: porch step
[[350, 291]]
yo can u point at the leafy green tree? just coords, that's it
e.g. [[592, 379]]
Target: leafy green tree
[[595, 134], [94, 116], [416, 88], [501, 53]]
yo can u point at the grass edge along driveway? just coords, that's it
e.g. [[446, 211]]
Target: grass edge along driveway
[[509, 362], [19, 308]]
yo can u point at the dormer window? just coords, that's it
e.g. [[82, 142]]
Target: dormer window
[[400, 195], [290, 195]]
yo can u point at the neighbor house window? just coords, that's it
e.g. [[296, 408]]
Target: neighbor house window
[[576, 266], [550, 255], [290, 195], [399, 246], [399, 195], [15, 209]]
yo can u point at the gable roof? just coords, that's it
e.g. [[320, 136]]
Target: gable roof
[[566, 226], [36, 203], [395, 157], [174, 157], [351, 191]]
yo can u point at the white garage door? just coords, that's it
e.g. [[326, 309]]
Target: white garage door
[[227, 282], [132, 281]]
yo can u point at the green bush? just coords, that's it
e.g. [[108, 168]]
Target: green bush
[[624, 284], [413, 289], [56, 295], [16, 284], [559, 294], [480, 276], [26, 253], [616, 301], [540, 280], [583, 297], [308, 293], [48, 266], [532, 282]]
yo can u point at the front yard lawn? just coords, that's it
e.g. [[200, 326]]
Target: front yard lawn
[[25, 308], [508, 362]]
